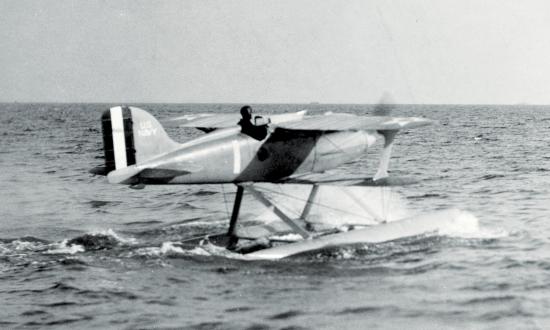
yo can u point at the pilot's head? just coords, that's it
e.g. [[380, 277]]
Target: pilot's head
[[246, 112]]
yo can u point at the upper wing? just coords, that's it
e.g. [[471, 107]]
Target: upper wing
[[341, 121], [298, 121], [217, 120], [205, 120]]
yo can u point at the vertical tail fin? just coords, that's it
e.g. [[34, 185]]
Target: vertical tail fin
[[132, 136]]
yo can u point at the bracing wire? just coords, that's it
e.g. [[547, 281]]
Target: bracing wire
[[280, 193], [335, 145], [225, 201], [314, 203], [388, 210]]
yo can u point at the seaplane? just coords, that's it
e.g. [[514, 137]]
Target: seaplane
[[248, 150]]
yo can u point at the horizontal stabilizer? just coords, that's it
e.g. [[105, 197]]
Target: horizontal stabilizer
[[128, 175], [123, 175], [161, 173], [99, 170]]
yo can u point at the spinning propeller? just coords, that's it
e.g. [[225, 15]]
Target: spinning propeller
[[384, 108]]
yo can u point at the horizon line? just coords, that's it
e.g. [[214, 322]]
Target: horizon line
[[260, 103]]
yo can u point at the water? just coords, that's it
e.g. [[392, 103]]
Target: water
[[127, 271]]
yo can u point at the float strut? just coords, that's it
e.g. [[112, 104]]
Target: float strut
[[309, 202], [233, 239]]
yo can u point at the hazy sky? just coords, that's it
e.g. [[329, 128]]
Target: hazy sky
[[432, 51]]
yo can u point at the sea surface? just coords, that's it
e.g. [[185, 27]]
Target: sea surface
[[77, 252]]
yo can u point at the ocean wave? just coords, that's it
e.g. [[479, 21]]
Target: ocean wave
[[21, 246], [97, 240], [466, 225], [204, 249], [492, 176], [64, 247]]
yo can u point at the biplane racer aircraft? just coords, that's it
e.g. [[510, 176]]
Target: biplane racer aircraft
[[279, 149]]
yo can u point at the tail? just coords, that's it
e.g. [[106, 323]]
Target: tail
[[132, 136]]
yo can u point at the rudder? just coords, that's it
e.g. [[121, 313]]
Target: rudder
[[132, 136]]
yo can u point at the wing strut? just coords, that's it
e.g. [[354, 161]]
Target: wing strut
[[382, 172], [309, 202], [362, 205], [292, 223]]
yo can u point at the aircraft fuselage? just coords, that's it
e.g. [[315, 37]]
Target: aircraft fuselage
[[229, 156]]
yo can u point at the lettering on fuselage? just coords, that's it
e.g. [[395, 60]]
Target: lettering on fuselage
[[146, 128]]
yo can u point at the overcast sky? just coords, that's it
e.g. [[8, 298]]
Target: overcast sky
[[432, 51]]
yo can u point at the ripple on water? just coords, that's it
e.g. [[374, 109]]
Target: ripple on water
[[239, 309], [286, 315], [365, 310], [96, 204], [495, 276]]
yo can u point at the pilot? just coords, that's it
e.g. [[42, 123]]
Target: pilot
[[258, 132]]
